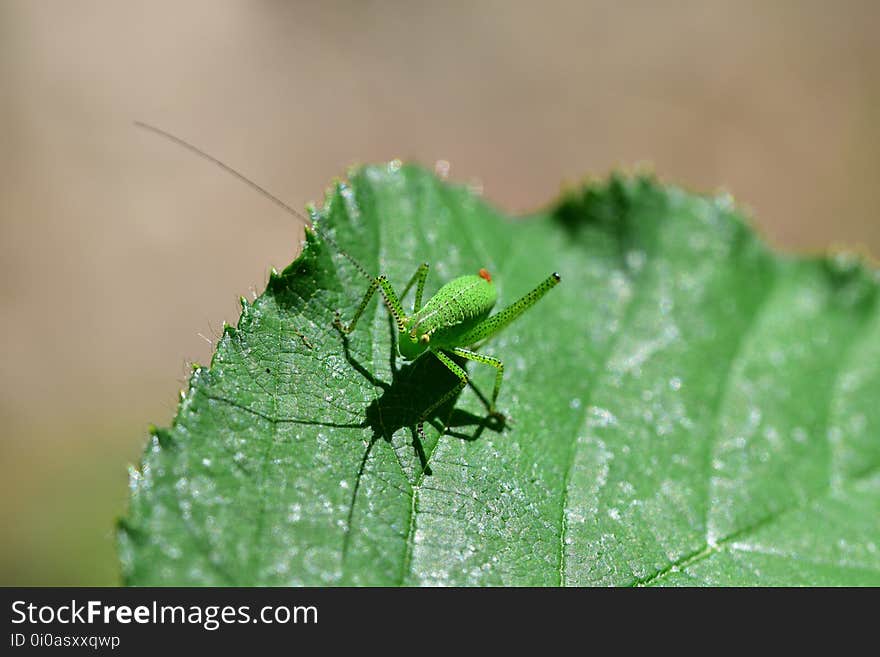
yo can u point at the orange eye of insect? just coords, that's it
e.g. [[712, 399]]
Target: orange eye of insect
[[485, 274]]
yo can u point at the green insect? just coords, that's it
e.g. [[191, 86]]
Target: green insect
[[455, 321]]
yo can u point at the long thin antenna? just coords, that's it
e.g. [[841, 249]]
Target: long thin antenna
[[228, 169], [250, 183]]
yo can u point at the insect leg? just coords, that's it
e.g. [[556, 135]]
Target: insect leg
[[491, 325], [487, 360], [420, 276], [391, 301], [462, 382]]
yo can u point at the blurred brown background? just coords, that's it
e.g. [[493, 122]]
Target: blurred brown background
[[119, 249]]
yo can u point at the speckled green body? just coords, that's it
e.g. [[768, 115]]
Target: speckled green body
[[449, 317]]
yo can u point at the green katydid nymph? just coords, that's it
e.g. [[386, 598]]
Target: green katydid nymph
[[455, 318], [451, 323]]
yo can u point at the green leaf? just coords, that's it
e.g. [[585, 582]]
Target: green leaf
[[686, 407]]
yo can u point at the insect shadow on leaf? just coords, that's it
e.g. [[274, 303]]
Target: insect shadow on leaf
[[414, 387]]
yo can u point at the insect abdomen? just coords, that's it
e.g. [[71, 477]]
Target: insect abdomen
[[458, 302]]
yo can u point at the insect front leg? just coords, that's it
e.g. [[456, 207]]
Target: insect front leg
[[420, 276], [391, 301], [487, 360]]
